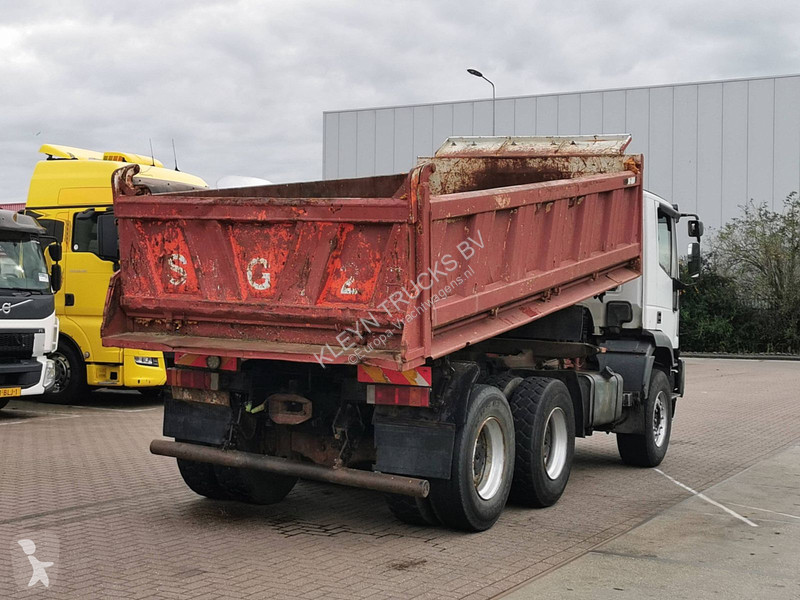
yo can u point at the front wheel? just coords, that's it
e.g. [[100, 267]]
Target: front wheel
[[648, 449], [482, 466], [152, 393], [70, 377]]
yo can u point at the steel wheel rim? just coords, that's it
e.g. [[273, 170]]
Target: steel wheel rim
[[62, 372], [488, 459], [659, 420], [555, 443]]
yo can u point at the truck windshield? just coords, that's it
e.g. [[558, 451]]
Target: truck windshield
[[22, 265]]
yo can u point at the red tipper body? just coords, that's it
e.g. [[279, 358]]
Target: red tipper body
[[389, 271]]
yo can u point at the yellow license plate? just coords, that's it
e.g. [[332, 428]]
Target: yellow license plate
[[10, 391]]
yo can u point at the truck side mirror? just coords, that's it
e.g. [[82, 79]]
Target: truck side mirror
[[55, 276], [107, 239], [695, 228], [54, 250], [695, 263]]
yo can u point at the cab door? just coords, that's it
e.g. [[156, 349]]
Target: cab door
[[662, 292], [86, 278]]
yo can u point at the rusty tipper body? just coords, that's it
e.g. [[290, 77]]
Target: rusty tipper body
[[316, 272], [398, 322]]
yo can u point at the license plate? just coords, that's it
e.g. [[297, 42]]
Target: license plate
[[10, 391]]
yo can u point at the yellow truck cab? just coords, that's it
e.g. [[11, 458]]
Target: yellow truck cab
[[68, 191]]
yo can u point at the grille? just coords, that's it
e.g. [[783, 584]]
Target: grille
[[16, 345]]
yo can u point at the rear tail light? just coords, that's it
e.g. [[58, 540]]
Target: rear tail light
[[189, 378], [398, 395]]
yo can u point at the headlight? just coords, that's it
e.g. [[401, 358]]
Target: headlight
[[146, 361], [49, 374]]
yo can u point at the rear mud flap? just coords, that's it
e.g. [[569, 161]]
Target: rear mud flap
[[196, 422]]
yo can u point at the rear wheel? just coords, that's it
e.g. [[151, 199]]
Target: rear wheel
[[70, 376], [482, 466], [545, 432], [414, 511], [254, 487], [3, 402], [506, 382], [648, 449], [201, 479]]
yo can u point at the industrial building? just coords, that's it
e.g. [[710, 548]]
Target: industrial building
[[709, 146]]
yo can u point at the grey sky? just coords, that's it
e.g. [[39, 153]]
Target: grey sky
[[241, 86]]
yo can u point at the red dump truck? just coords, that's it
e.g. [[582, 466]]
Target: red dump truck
[[441, 335]]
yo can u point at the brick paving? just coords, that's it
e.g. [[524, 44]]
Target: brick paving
[[119, 522]]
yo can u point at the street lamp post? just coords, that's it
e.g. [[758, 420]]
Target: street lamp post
[[479, 74]]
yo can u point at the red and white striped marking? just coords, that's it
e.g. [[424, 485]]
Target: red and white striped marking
[[421, 376]]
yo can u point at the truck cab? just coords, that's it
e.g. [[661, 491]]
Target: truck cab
[[647, 309], [28, 323], [69, 191]]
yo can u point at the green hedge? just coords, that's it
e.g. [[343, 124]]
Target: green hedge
[[714, 319]]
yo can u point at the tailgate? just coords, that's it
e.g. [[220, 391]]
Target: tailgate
[[264, 275]]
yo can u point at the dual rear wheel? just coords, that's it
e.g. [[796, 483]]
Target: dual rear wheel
[[229, 483], [517, 439]]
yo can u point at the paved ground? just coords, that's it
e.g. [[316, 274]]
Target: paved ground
[[696, 550], [118, 522]]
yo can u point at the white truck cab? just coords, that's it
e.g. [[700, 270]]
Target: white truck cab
[[28, 323], [648, 308]]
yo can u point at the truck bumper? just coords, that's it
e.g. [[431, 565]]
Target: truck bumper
[[26, 374], [380, 482]]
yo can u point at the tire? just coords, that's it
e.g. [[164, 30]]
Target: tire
[[70, 383], [544, 424], [253, 487], [649, 449], [506, 382], [201, 479], [152, 393], [482, 466], [3, 403], [414, 511]]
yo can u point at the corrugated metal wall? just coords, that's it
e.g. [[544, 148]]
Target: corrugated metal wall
[[708, 146]]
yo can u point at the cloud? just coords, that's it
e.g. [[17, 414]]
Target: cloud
[[241, 85]]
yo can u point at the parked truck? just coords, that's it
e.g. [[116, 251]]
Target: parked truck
[[28, 323], [68, 192], [441, 335]]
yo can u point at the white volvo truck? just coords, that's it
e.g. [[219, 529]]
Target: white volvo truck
[[28, 322]]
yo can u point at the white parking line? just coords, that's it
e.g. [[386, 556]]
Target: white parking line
[[707, 499], [40, 419], [123, 410], [774, 512]]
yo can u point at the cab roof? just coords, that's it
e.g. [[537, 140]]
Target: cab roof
[[15, 222], [79, 177]]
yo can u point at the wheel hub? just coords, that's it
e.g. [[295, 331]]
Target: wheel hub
[[488, 459], [659, 420], [555, 443], [62, 372]]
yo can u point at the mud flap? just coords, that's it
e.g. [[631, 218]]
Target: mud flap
[[414, 449], [196, 422]]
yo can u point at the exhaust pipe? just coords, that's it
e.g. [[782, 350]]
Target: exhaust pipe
[[380, 482]]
